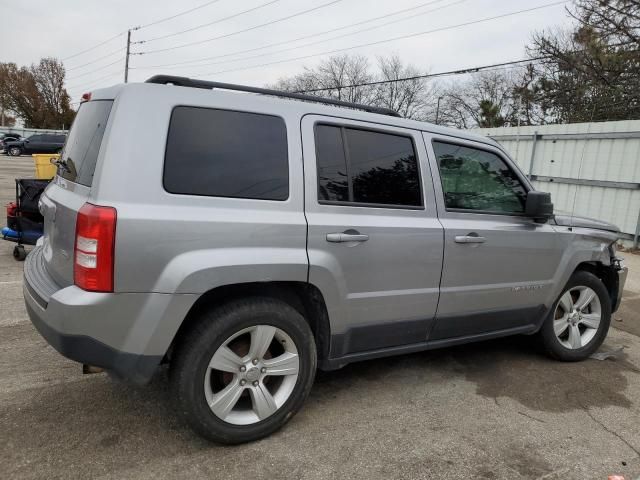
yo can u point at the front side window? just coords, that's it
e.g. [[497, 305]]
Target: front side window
[[478, 180], [366, 167], [224, 153]]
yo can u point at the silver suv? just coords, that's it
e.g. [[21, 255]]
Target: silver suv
[[248, 238]]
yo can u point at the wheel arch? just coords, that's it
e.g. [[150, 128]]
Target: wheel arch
[[607, 274], [303, 297]]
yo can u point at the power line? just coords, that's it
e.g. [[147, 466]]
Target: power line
[[97, 80], [207, 24], [135, 28], [481, 68], [495, 66], [401, 37], [392, 14], [156, 22], [184, 45], [119, 50], [374, 27], [97, 69], [94, 47]]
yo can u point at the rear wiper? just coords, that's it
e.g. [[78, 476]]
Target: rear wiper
[[61, 164]]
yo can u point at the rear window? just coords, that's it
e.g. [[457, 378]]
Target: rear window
[[224, 153], [83, 144]]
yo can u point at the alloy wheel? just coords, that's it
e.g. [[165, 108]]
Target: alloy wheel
[[251, 375], [577, 317]]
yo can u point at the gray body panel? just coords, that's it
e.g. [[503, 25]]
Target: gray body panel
[[408, 287], [514, 269], [584, 222], [392, 277]]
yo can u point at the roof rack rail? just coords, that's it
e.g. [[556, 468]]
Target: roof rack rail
[[190, 82]]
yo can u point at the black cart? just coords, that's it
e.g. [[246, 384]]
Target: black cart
[[25, 223]]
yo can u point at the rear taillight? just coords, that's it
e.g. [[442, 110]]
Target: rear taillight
[[94, 248]]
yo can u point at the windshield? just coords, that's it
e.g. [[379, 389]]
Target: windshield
[[83, 144]]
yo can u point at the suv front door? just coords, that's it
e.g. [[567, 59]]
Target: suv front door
[[34, 144], [499, 266], [374, 240]]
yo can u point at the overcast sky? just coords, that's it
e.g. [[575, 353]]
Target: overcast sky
[[62, 29]]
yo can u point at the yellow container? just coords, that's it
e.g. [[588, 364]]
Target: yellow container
[[45, 170]]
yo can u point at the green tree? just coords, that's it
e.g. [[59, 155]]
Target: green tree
[[591, 72], [490, 115]]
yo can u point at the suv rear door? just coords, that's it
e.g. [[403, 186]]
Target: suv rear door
[[70, 189], [374, 240], [498, 265]]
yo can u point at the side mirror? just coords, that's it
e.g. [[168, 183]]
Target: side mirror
[[538, 206]]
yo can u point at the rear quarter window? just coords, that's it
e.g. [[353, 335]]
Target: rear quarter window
[[83, 144], [224, 153]]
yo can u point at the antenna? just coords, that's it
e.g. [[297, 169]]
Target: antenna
[[584, 148]]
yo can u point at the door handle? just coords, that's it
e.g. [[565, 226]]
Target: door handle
[[346, 237], [469, 239]]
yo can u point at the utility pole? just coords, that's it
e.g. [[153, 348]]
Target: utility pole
[[438, 110], [126, 62]]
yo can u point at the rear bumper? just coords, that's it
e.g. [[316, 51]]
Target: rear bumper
[[87, 350], [126, 333]]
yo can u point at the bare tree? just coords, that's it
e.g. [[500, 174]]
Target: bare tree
[[349, 78], [332, 79], [413, 98], [484, 100]]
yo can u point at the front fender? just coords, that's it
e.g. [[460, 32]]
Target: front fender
[[580, 246]]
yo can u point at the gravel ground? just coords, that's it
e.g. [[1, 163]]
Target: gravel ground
[[492, 410]]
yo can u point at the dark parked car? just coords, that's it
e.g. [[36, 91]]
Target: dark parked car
[[39, 143], [7, 137]]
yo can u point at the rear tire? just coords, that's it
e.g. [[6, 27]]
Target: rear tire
[[579, 320], [231, 334]]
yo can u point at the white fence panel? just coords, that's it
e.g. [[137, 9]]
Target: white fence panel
[[595, 166]]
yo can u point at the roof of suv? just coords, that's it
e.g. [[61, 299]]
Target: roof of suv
[[317, 107]]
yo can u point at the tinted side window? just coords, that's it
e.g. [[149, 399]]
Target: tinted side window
[[366, 167], [227, 154], [35, 138], [475, 179], [383, 168], [333, 183]]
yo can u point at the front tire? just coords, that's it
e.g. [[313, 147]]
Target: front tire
[[579, 320], [243, 370], [15, 151]]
